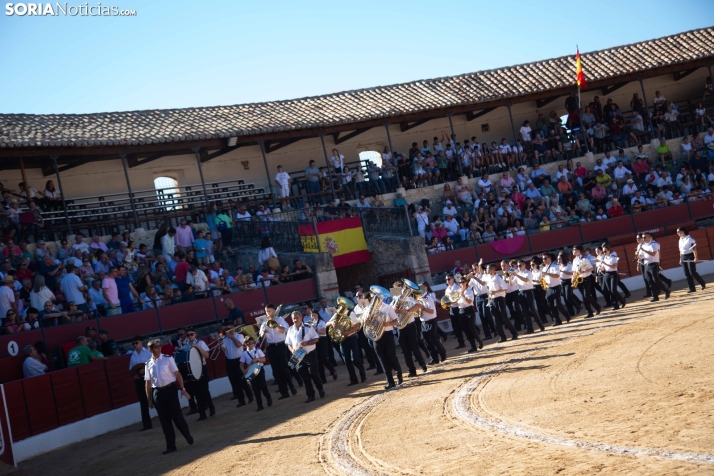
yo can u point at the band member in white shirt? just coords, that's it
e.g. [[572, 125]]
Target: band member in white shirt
[[141, 355], [409, 342], [612, 275], [572, 303], [538, 291], [250, 356], [451, 287], [512, 296], [650, 250], [429, 326], [386, 350], [588, 255], [200, 387], [306, 337], [324, 346], [232, 346], [551, 273], [278, 352], [481, 293], [497, 289], [350, 350], [467, 315], [688, 259], [522, 278], [364, 343], [582, 266], [162, 379]]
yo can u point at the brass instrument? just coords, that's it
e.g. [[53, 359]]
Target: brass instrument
[[405, 302], [271, 321], [543, 283], [308, 321], [373, 318], [450, 298], [341, 320], [576, 279]]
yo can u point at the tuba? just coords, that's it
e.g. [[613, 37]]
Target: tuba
[[341, 320], [373, 318], [405, 301]]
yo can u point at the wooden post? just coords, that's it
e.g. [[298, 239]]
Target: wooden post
[[24, 179]]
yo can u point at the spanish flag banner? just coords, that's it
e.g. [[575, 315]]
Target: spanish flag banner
[[343, 238], [579, 74]]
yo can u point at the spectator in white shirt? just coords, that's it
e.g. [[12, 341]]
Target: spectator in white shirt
[[197, 279], [451, 225], [709, 136], [526, 132], [449, 209], [362, 203], [620, 173]]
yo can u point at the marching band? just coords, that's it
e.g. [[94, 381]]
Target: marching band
[[523, 291]]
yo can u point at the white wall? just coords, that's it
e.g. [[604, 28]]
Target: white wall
[[108, 177]]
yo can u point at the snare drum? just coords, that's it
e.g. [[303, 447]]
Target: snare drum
[[189, 363], [297, 357], [253, 371]]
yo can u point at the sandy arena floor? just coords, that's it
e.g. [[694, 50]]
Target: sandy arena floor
[[630, 392]]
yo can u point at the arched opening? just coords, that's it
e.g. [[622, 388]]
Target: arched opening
[[167, 191], [369, 156]]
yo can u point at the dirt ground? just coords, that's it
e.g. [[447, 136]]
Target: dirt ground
[[629, 392]]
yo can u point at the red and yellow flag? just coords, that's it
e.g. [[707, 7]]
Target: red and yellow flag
[[579, 74], [343, 238]]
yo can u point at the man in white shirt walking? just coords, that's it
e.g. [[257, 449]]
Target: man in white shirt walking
[[299, 336]]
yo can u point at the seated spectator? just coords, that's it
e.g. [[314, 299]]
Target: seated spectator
[[265, 279], [32, 365], [464, 193], [75, 314], [637, 202], [616, 209], [81, 354], [663, 152], [108, 346], [439, 231], [151, 299], [197, 279], [434, 246], [12, 324], [98, 244], [451, 225], [285, 275], [96, 298], [489, 235], [301, 271], [400, 201], [449, 209]]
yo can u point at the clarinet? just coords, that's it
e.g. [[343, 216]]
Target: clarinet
[[636, 259]]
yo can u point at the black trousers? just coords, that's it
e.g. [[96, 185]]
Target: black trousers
[[643, 272], [597, 284], [652, 273], [589, 296], [259, 387], [498, 309], [239, 386], [489, 328], [308, 372], [690, 271], [543, 308], [278, 355], [553, 297], [467, 320], [456, 324], [143, 402], [353, 357], [409, 342], [611, 279], [433, 342], [566, 291], [527, 302], [199, 388], [166, 402], [387, 353], [369, 352], [514, 309], [324, 347]]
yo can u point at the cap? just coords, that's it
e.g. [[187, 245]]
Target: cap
[[8, 278], [41, 242], [448, 202], [102, 331], [630, 181]]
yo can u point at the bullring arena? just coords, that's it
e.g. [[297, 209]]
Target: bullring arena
[[628, 392]]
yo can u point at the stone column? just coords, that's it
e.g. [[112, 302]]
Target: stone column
[[326, 278]]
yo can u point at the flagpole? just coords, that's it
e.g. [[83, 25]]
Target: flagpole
[[580, 111]]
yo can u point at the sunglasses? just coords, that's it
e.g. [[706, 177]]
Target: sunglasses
[[191, 334], [137, 342]]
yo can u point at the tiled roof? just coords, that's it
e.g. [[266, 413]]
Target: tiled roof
[[175, 125]]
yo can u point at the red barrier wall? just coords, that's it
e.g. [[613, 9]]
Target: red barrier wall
[[121, 383], [129, 325], [40, 404], [95, 388], [14, 343], [16, 410], [299, 291], [661, 217], [67, 395], [56, 336], [187, 314], [603, 229], [701, 209], [441, 262], [555, 239], [11, 368], [251, 303], [489, 255]]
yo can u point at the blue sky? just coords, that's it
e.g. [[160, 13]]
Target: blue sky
[[185, 54]]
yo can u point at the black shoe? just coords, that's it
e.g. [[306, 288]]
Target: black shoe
[[192, 412], [390, 386], [460, 346], [213, 411], [189, 440], [590, 314], [310, 399], [363, 378], [300, 384], [240, 404], [400, 380], [628, 295], [423, 369], [502, 339], [293, 390], [260, 409], [616, 308], [277, 391], [667, 293], [379, 372], [487, 337], [234, 397], [567, 320], [598, 311], [559, 323], [168, 450], [411, 374], [443, 357], [352, 383], [691, 291], [202, 418], [654, 299], [324, 382], [623, 304], [270, 401], [542, 328], [530, 331], [704, 286], [514, 337], [321, 393], [283, 397], [480, 345], [250, 399], [334, 376]]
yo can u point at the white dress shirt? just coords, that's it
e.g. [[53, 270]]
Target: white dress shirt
[[583, 266], [686, 245], [231, 349], [526, 285], [201, 345], [274, 336], [652, 247], [301, 334], [535, 277], [161, 371], [139, 358], [567, 269], [496, 285], [248, 355], [428, 302], [452, 289], [479, 289], [610, 262], [512, 288], [462, 302], [391, 316], [552, 269]]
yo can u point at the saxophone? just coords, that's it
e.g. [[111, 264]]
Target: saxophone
[[373, 318], [576, 279], [342, 322], [543, 283], [405, 301]]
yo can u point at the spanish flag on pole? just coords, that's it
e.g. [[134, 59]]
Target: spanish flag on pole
[[579, 74], [343, 238]]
